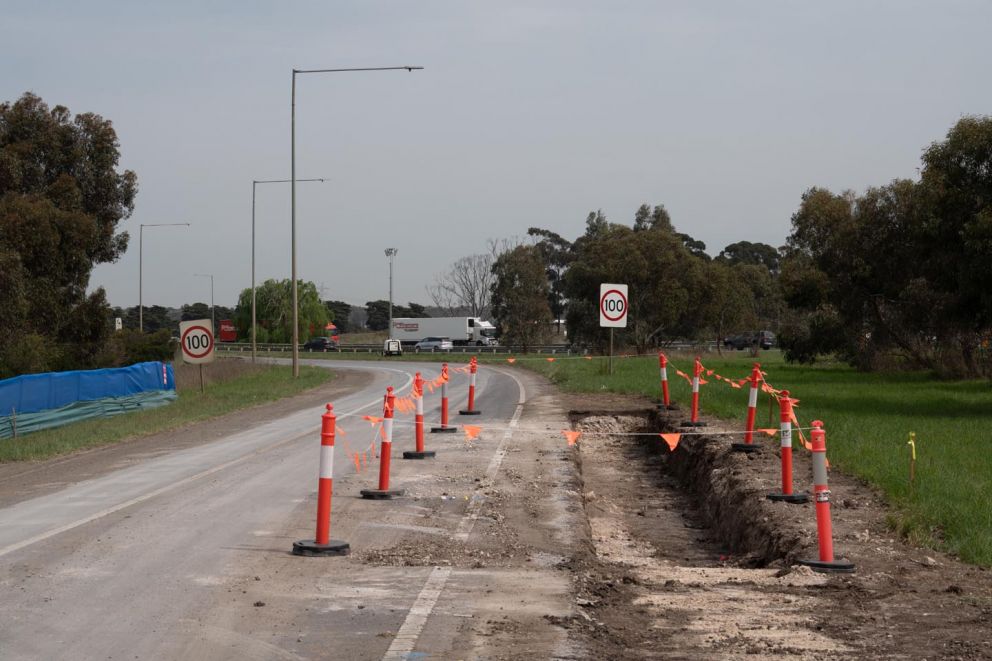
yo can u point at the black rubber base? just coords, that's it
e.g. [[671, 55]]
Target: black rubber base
[[672, 406], [444, 430], [310, 547], [381, 494], [413, 454], [835, 567], [689, 423], [472, 412], [745, 447], [794, 498]]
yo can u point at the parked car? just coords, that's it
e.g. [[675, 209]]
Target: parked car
[[392, 348], [434, 344], [761, 339], [321, 344]]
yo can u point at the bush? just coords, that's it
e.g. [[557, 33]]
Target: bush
[[29, 354]]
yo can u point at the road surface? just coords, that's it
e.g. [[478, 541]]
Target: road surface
[[186, 555]]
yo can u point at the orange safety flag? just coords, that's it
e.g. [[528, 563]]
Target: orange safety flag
[[511, 360], [587, 357], [550, 360], [471, 431], [709, 372], [684, 376], [769, 432], [339, 431], [358, 463], [418, 390], [572, 436], [734, 384], [373, 419], [672, 440], [444, 374], [702, 381]]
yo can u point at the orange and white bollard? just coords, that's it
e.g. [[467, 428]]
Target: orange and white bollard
[[752, 409], [785, 431], [821, 494], [385, 449], [473, 368], [694, 421], [666, 402], [418, 398], [322, 544], [445, 427]]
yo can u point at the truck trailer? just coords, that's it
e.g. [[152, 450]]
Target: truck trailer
[[461, 330]]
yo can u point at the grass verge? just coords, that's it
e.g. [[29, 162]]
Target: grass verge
[[256, 386], [867, 417]]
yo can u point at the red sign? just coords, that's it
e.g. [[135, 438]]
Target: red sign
[[228, 332]]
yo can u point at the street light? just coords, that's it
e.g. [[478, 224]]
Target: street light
[[254, 183], [213, 322], [296, 302], [141, 268], [390, 253]]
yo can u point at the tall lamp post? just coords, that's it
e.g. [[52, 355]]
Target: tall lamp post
[[254, 184], [390, 253], [296, 308], [213, 322], [141, 268]]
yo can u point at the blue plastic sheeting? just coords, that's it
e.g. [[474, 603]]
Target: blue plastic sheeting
[[32, 393], [25, 423]]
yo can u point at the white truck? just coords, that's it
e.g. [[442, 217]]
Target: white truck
[[460, 330]]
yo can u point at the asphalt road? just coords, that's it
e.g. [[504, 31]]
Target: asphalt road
[[187, 555]]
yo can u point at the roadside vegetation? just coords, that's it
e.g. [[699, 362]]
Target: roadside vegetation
[[868, 418], [229, 386]]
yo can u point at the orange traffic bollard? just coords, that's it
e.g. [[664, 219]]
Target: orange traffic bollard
[[821, 493], [752, 409], [785, 431], [445, 427], [473, 368], [694, 421], [385, 448], [418, 397], [666, 402], [322, 544]]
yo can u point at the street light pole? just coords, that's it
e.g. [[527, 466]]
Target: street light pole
[[213, 322], [390, 253], [254, 183], [141, 268], [296, 307]]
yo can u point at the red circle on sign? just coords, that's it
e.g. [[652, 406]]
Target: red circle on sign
[[210, 343], [603, 300]]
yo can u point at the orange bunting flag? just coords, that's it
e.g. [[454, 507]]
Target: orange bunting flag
[[741, 382], [511, 360], [672, 440], [572, 436], [734, 384], [702, 381], [339, 431], [550, 360], [471, 431], [371, 418], [769, 432], [358, 463], [444, 374], [587, 357], [709, 372], [683, 375]]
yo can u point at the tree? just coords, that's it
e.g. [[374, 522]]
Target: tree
[[520, 297], [556, 252], [61, 200], [274, 311], [339, 312], [196, 311], [745, 252], [466, 287]]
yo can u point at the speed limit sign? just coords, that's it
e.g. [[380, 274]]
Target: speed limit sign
[[197, 340], [613, 306]]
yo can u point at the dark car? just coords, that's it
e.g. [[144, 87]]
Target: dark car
[[321, 344], [761, 339]]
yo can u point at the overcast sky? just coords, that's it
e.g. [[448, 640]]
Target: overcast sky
[[527, 113]]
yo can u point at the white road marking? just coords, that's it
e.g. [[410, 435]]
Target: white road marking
[[409, 633]]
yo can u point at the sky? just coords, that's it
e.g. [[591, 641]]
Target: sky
[[526, 114]]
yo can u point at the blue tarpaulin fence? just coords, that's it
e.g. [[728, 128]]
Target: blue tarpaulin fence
[[39, 401]]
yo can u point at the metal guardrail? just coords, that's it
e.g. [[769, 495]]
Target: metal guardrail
[[550, 349]]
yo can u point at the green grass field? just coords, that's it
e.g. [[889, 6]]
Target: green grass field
[[867, 417], [254, 386]]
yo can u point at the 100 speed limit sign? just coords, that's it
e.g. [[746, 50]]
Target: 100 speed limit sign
[[613, 306], [197, 341]]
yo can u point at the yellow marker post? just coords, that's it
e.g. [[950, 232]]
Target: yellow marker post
[[912, 458]]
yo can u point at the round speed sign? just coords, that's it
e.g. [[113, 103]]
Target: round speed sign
[[197, 341], [613, 305]]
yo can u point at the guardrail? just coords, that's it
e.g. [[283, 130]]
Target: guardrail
[[550, 349]]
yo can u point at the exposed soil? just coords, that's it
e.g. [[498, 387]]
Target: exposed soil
[[23, 480]]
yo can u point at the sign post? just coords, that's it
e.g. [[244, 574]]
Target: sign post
[[612, 311], [197, 341]]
